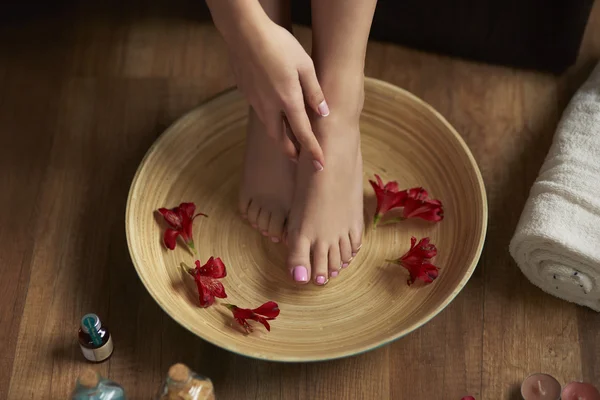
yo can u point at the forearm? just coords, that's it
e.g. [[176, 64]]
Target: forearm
[[237, 19]]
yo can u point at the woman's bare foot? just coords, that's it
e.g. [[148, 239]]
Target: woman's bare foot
[[267, 183], [326, 220]]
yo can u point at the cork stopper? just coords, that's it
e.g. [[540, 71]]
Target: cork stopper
[[88, 378], [179, 373]]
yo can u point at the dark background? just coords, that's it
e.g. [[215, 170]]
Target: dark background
[[543, 35]]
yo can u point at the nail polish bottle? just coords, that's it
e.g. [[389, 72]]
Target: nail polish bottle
[[183, 383], [91, 386], [94, 339]]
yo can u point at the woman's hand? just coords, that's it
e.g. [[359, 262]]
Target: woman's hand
[[277, 77]]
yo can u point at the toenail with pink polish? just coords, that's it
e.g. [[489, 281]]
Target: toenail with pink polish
[[265, 233], [353, 255], [254, 226], [274, 239], [300, 274], [320, 279], [344, 265], [334, 274]]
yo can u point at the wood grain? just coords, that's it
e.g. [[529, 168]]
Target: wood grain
[[86, 89]]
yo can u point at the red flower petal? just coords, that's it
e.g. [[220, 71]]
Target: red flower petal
[[188, 209], [418, 252], [204, 294], [214, 268], [417, 193], [388, 196], [417, 261], [270, 309], [427, 209], [206, 280], [170, 238], [171, 217], [263, 321]]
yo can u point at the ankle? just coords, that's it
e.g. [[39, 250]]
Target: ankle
[[344, 92]]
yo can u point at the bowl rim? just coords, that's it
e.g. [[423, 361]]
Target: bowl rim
[[474, 261]]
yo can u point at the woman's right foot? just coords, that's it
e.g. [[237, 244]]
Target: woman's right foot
[[268, 182]]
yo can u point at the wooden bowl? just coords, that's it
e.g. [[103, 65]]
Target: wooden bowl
[[199, 159]]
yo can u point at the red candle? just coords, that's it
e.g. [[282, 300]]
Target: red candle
[[540, 387], [580, 391]]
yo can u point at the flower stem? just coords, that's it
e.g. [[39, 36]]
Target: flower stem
[[192, 247], [376, 219], [393, 221]]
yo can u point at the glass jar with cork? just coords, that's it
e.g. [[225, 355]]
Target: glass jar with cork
[[91, 386], [185, 384]]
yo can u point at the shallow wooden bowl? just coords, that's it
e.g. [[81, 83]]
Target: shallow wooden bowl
[[199, 159]]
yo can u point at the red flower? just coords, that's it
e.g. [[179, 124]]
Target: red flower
[[267, 312], [206, 279], [417, 261], [418, 205], [388, 197], [180, 219], [416, 202]]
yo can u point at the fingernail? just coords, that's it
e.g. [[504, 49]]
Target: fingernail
[[344, 265], [274, 239], [318, 165], [334, 274], [323, 109], [300, 274], [320, 279]]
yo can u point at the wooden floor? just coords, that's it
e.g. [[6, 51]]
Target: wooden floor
[[84, 93]]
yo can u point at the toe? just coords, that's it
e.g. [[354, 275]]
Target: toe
[[253, 211], [263, 221], [335, 261], [276, 226], [345, 251], [243, 204], [299, 258], [355, 240], [320, 262]]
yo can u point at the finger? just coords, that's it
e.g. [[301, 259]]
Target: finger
[[274, 127], [313, 94], [288, 148], [290, 144], [300, 124]]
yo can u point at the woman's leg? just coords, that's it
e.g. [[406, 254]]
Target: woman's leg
[[326, 220], [268, 178]]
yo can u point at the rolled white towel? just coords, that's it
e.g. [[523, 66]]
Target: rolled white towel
[[557, 241]]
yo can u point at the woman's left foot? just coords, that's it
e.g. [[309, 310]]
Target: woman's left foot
[[325, 224]]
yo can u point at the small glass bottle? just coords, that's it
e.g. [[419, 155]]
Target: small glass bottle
[[91, 386], [94, 339], [185, 384]]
